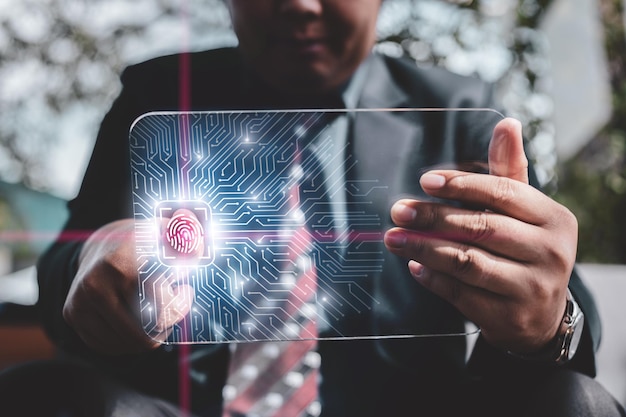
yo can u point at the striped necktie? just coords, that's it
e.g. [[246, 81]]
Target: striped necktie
[[279, 379]]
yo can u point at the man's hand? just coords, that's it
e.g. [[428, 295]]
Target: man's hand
[[103, 302], [505, 268]]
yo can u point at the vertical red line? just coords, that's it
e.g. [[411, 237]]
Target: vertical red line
[[184, 104]]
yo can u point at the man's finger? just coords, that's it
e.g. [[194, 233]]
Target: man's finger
[[470, 265], [494, 232], [478, 305], [170, 298], [176, 302], [506, 151], [499, 194]]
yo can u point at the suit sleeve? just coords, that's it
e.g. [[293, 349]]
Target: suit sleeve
[[104, 196]]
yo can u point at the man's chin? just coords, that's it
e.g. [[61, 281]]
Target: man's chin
[[305, 82]]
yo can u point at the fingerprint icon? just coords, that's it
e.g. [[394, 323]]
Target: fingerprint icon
[[184, 233]]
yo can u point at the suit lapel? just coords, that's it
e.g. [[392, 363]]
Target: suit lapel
[[388, 152], [383, 142]]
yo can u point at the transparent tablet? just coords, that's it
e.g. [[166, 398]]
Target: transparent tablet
[[269, 225]]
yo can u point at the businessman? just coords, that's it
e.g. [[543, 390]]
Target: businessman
[[489, 248]]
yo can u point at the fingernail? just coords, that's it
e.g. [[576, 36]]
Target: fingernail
[[395, 239], [416, 269], [517, 125], [403, 213], [432, 180]]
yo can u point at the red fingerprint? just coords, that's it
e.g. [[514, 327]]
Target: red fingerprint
[[184, 233]]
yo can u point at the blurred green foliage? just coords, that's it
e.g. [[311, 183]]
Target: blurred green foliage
[[593, 183]]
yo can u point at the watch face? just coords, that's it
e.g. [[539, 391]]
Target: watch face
[[574, 321], [577, 331]]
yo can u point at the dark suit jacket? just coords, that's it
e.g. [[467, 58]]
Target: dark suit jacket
[[359, 377]]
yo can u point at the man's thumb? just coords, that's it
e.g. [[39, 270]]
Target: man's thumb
[[506, 151]]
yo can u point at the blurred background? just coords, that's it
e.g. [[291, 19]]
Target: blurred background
[[559, 66]]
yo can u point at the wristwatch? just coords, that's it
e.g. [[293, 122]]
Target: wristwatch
[[570, 331], [565, 344]]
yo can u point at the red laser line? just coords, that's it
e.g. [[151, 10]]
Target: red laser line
[[256, 236], [184, 388]]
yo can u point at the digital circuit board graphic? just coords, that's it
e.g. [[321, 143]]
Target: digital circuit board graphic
[[218, 221], [211, 194]]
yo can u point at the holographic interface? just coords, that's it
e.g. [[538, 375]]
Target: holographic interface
[[275, 220]]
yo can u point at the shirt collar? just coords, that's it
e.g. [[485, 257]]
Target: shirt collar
[[352, 91], [259, 95]]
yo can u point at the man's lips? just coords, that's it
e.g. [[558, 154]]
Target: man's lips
[[301, 44]]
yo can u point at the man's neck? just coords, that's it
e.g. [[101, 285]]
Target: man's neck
[[260, 94]]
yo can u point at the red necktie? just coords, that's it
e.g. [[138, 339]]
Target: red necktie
[[279, 379]]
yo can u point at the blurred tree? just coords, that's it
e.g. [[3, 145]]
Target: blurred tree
[[60, 61], [12, 251], [593, 183], [59, 67], [496, 40]]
